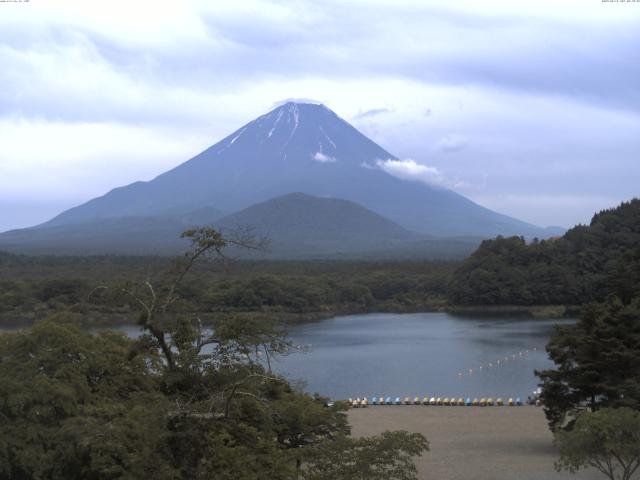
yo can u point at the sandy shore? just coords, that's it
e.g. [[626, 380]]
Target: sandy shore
[[490, 443]]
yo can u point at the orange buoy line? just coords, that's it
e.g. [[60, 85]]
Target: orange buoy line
[[497, 363]]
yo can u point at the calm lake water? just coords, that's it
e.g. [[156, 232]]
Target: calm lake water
[[434, 354]]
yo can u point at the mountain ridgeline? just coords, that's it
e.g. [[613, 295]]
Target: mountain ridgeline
[[297, 147], [587, 264]]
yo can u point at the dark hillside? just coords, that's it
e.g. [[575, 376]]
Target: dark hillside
[[586, 264]]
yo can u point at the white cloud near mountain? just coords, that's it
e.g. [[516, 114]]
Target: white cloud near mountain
[[409, 169], [322, 158]]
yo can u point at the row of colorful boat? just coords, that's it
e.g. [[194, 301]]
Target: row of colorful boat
[[446, 401]]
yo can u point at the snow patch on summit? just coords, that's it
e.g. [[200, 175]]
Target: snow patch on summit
[[236, 137], [327, 137], [275, 124]]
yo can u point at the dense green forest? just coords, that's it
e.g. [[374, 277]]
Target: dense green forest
[[34, 287], [587, 264]]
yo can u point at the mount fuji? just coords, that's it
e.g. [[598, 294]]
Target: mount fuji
[[297, 147]]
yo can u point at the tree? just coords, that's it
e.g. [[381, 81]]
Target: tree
[[73, 406], [383, 457], [608, 440], [598, 362]]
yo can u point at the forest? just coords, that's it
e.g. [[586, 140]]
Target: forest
[[34, 287], [586, 264]]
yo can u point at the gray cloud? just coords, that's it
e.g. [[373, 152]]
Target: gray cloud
[[586, 60], [372, 113], [451, 143]]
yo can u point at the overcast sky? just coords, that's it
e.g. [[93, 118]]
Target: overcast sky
[[529, 108]]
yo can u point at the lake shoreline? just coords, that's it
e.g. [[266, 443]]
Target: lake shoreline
[[292, 318]]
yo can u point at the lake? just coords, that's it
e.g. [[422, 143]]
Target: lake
[[434, 354]]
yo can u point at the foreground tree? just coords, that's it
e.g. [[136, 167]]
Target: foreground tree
[[598, 362], [73, 406], [383, 457], [607, 440]]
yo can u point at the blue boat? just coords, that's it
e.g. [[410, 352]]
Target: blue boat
[[398, 401], [518, 401], [388, 401], [374, 400], [468, 402]]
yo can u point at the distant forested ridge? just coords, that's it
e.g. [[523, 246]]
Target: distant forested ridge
[[33, 287], [586, 264]]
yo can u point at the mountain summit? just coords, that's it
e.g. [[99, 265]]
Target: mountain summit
[[296, 147]]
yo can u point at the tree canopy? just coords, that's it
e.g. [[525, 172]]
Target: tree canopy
[[607, 440], [587, 264], [597, 362]]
